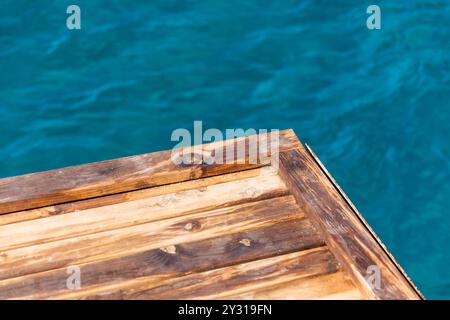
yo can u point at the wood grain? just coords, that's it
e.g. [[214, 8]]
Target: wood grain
[[153, 235], [208, 254], [219, 283], [144, 227], [363, 221], [59, 209], [266, 185], [125, 174], [343, 231], [329, 286]]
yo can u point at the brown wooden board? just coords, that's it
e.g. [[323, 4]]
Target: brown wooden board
[[344, 232], [221, 282], [125, 174], [144, 227], [193, 257]]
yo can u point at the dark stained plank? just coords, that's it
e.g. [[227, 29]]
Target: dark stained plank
[[147, 236], [345, 234], [199, 256], [126, 174], [219, 283]]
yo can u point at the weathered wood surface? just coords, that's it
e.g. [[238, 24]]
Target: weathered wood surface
[[147, 209], [328, 286], [125, 174], [363, 221], [144, 228], [345, 234], [186, 258], [219, 283], [158, 234], [59, 209]]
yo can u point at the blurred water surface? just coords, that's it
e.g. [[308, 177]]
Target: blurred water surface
[[374, 105]]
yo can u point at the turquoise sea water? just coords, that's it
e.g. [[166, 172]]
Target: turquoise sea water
[[374, 105]]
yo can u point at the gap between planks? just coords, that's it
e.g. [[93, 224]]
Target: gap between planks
[[153, 235], [219, 283], [132, 173], [363, 221], [206, 195], [64, 208], [347, 237], [213, 253]]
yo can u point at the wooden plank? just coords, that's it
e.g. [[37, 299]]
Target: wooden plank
[[331, 286], [79, 205], [153, 235], [343, 231], [125, 174], [192, 257], [361, 218], [219, 283], [266, 185]]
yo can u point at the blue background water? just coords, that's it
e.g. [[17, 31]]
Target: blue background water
[[374, 105]]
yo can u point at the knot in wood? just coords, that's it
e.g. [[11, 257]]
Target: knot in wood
[[169, 249], [246, 242], [192, 226]]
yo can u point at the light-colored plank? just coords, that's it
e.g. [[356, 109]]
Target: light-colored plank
[[126, 174], [158, 234], [219, 283], [332, 286], [348, 238], [188, 258], [266, 185], [64, 208]]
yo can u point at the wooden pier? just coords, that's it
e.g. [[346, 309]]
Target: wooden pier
[[143, 227]]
